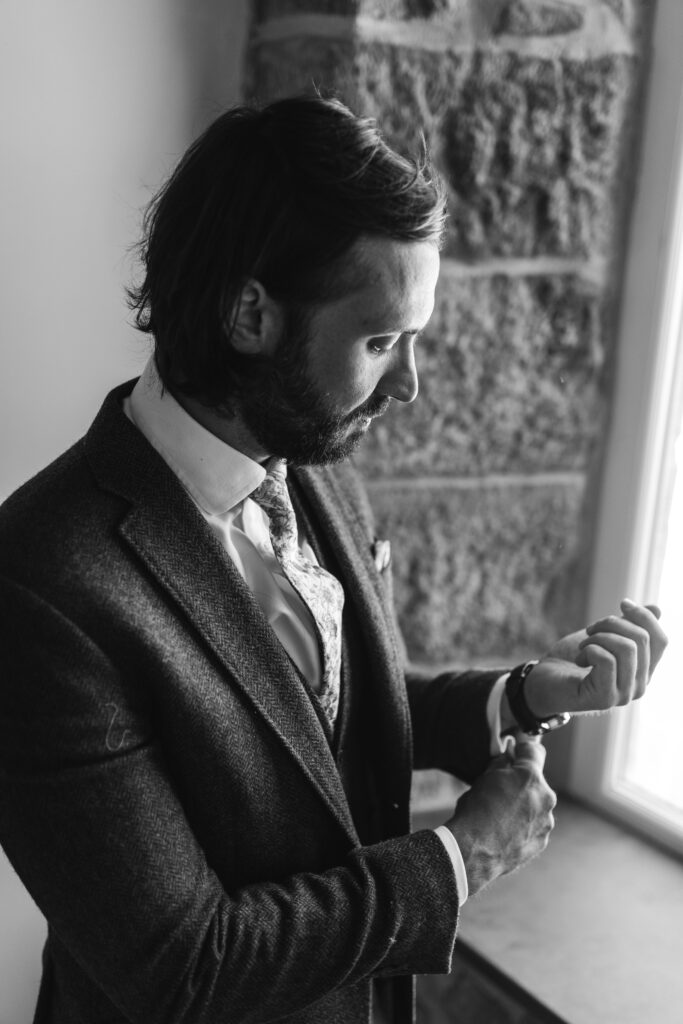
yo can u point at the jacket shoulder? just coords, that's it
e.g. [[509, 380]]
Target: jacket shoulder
[[40, 499], [56, 516]]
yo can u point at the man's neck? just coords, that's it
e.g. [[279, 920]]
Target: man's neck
[[230, 429]]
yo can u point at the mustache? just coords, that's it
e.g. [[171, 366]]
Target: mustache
[[376, 405]]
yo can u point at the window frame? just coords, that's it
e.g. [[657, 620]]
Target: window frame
[[626, 560]]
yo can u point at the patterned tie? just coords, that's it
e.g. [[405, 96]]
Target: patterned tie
[[317, 588]]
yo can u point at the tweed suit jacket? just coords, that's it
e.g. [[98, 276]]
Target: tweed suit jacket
[[168, 793]]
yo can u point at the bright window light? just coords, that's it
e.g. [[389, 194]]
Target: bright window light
[[648, 767]]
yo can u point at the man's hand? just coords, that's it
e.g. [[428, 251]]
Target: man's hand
[[505, 819], [606, 665]]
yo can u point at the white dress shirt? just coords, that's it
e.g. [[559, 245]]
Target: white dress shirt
[[219, 479]]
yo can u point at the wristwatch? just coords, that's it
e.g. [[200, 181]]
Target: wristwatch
[[524, 716]]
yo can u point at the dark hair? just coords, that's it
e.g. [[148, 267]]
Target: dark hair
[[277, 194]]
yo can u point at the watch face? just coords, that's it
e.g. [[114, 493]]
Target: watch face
[[555, 722]]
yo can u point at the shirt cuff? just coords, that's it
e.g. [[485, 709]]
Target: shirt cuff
[[453, 851], [499, 744]]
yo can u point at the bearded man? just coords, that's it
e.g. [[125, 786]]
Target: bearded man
[[207, 728]]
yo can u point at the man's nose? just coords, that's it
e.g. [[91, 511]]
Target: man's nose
[[400, 380]]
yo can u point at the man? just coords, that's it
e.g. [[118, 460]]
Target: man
[[207, 730]]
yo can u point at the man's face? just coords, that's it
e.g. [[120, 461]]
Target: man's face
[[338, 367]]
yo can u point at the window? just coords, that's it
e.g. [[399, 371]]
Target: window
[[630, 763], [645, 769]]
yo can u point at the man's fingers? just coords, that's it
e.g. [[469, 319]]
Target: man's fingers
[[599, 690], [636, 640], [632, 644], [647, 617], [499, 761], [641, 624], [531, 752], [621, 652], [595, 690]]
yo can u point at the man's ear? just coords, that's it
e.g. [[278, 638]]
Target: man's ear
[[258, 321]]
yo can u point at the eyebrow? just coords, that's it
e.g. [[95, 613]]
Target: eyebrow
[[410, 330]]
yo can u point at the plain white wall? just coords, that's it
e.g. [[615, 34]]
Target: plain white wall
[[98, 101]]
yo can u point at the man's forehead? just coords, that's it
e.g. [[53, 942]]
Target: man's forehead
[[384, 259], [395, 318], [396, 282]]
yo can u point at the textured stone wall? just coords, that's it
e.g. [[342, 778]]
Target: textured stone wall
[[487, 483]]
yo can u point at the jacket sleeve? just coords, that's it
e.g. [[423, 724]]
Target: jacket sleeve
[[450, 725], [94, 828]]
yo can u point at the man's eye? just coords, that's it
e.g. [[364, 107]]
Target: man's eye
[[380, 346]]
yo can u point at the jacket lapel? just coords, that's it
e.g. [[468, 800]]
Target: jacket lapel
[[171, 538]]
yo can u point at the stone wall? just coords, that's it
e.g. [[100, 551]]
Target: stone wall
[[488, 483]]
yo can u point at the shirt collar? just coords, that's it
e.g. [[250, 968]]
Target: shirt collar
[[216, 475]]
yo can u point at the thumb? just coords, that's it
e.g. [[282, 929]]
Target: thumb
[[503, 760], [529, 751], [581, 659]]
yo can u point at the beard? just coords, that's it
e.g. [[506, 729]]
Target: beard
[[289, 416]]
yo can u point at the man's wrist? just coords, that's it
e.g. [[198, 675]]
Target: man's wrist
[[536, 694], [523, 709]]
